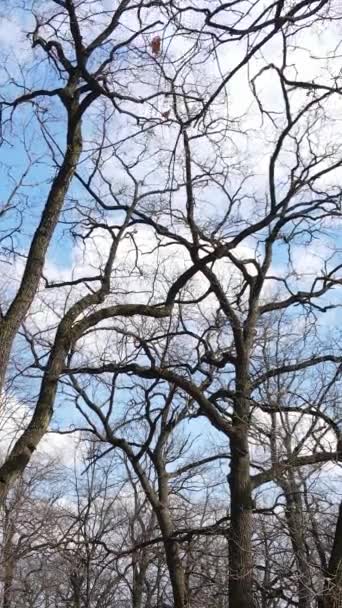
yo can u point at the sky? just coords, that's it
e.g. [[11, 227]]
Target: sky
[[245, 166]]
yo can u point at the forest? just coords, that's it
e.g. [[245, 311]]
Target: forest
[[170, 301]]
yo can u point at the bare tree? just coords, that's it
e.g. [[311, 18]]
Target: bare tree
[[191, 223]]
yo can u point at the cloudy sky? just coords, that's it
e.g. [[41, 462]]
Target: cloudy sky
[[143, 269]]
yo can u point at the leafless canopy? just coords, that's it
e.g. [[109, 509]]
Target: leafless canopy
[[171, 271]]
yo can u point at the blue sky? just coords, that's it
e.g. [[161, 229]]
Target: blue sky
[[254, 149]]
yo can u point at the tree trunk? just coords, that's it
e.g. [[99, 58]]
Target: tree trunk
[[29, 284], [8, 561], [174, 563], [24, 447], [76, 584], [295, 522], [332, 594], [240, 547], [161, 508], [139, 573], [8, 582]]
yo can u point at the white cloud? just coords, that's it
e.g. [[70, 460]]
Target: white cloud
[[14, 417]]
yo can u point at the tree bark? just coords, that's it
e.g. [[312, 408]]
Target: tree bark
[[294, 517], [76, 585], [8, 560], [240, 549], [139, 573], [241, 503], [24, 447], [29, 284], [332, 594], [171, 546]]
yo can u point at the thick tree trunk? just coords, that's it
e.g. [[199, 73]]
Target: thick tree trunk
[[17, 311], [171, 546], [24, 447], [8, 569], [240, 547], [173, 560], [241, 592], [8, 561]]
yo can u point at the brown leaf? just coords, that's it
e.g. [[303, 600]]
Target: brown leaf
[[155, 45]]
